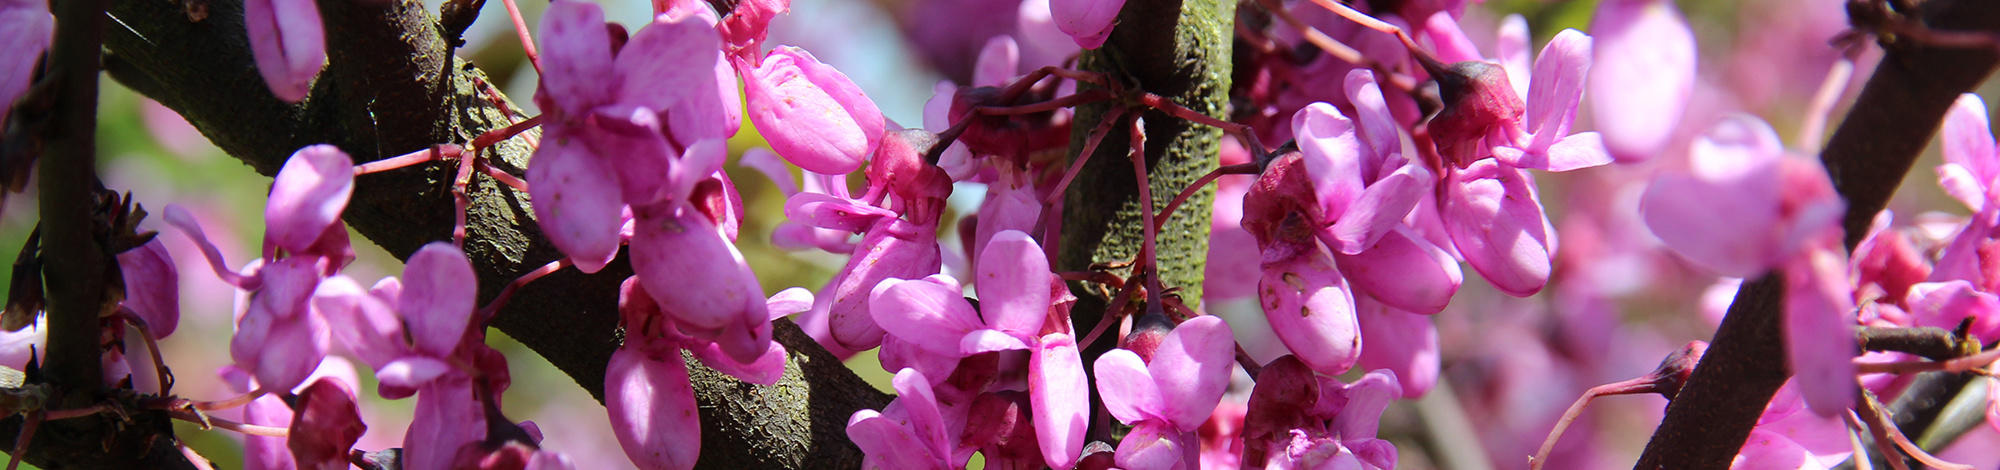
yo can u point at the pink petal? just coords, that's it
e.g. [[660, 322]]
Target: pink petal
[[279, 351], [1968, 140], [179, 218], [834, 212], [1088, 22], [1014, 284], [789, 301], [998, 60], [360, 320], [30, 29], [1557, 86], [893, 249], [1945, 304], [576, 199], [411, 372], [1362, 404], [1127, 387], [989, 341], [152, 286], [307, 196], [920, 405], [576, 57], [1404, 270], [1192, 368], [447, 417], [1007, 207], [326, 426], [652, 409], [1451, 43], [1767, 450], [1058, 391], [288, 43], [664, 61], [1332, 155], [1377, 128], [1312, 311], [1819, 336], [1401, 342], [266, 452], [1378, 210], [1960, 183], [1153, 445], [1642, 77], [928, 312], [888, 444], [1738, 162], [439, 292], [1574, 152], [1499, 228], [699, 279], [811, 113]]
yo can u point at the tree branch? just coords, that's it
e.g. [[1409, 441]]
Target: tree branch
[[1888, 127], [392, 86]]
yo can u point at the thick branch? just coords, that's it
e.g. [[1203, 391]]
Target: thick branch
[[1179, 49], [1890, 124], [392, 86]]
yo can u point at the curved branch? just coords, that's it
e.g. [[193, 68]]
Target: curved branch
[[1888, 127], [392, 86]]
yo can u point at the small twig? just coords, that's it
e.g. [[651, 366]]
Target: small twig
[[1167, 212], [219, 423], [521, 30], [1885, 431], [1090, 143], [434, 153], [507, 293]]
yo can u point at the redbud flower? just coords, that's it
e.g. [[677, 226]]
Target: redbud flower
[[1299, 420], [152, 286], [288, 42], [326, 425], [1172, 395], [1970, 160], [909, 433], [1746, 208], [30, 28], [1495, 219], [811, 113], [1089, 22], [1643, 75]]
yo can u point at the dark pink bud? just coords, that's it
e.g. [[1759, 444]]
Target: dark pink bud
[[326, 426], [1281, 210], [999, 426], [1477, 99]]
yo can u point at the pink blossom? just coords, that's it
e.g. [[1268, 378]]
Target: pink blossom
[[811, 113], [1643, 75], [911, 432], [1299, 420], [30, 28], [152, 287], [1970, 161], [1495, 219], [288, 42], [1180, 386], [326, 425], [1485, 115], [1089, 22]]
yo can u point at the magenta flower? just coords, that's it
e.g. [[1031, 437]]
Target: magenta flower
[[288, 42], [909, 433], [1970, 162], [892, 248], [152, 287], [326, 425], [811, 113], [1299, 420], [1089, 22], [746, 26], [1485, 114], [1745, 208], [647, 390], [1495, 219], [1173, 394], [1643, 76], [30, 28]]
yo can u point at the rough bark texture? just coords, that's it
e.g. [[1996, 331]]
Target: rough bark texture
[[1179, 49], [392, 86], [1889, 126]]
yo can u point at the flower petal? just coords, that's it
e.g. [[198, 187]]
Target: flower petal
[[1404, 270], [1557, 87], [652, 409], [577, 200], [1499, 228], [1819, 338], [576, 57], [1312, 311], [1057, 389], [1192, 368], [1088, 22], [699, 278], [1014, 284], [308, 196], [1127, 387], [288, 43], [812, 114], [1642, 77], [928, 312], [439, 293], [1968, 140], [152, 286]]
